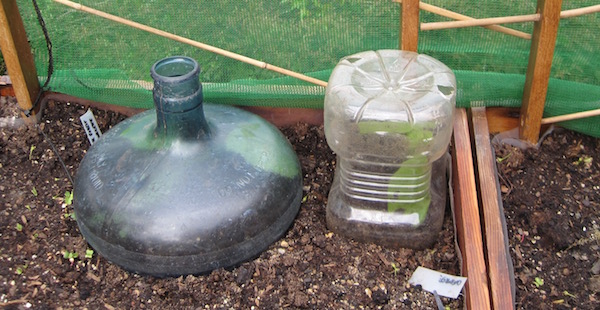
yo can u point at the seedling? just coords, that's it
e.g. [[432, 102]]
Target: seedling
[[34, 191], [19, 227], [71, 256], [395, 269], [586, 160], [89, 253], [68, 198], [31, 148], [71, 215], [501, 159], [538, 282], [21, 269], [566, 293]]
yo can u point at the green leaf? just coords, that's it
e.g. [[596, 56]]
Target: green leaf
[[34, 191], [70, 255], [89, 253], [416, 166], [68, 198], [19, 227], [31, 148], [263, 148]]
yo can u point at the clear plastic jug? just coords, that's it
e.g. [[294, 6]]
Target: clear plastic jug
[[388, 117]]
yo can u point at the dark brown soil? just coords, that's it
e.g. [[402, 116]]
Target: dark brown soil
[[45, 262], [551, 198]]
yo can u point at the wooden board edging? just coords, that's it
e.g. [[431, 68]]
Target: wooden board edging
[[499, 264], [466, 214]]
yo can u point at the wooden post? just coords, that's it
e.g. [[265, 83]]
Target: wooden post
[[409, 28], [538, 71], [466, 215], [499, 263], [18, 57]]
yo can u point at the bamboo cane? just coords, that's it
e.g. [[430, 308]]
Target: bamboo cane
[[570, 117], [580, 11], [197, 44], [457, 16], [506, 20], [480, 22]]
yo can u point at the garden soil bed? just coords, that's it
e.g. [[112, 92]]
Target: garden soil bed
[[45, 262], [551, 198]]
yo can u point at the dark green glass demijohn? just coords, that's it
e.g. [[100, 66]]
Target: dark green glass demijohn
[[187, 187]]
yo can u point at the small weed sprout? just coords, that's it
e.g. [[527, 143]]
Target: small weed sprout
[[501, 159], [68, 198], [89, 253], [538, 282], [395, 269], [71, 256], [31, 149], [21, 269], [566, 293], [19, 227], [34, 191]]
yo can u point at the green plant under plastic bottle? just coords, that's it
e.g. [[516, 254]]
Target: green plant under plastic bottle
[[388, 116]]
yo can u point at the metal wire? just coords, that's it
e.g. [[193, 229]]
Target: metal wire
[[45, 87]]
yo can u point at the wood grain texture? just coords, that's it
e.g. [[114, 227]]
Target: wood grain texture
[[18, 57], [502, 119], [409, 28], [498, 259], [538, 70], [466, 213], [276, 116]]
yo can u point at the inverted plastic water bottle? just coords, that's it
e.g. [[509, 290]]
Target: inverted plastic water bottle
[[388, 117], [187, 187]]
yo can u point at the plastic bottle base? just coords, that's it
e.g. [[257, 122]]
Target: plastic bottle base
[[390, 234]]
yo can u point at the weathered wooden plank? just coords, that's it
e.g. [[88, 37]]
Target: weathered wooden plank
[[409, 28], [502, 119], [498, 259], [538, 71], [17, 56], [466, 214]]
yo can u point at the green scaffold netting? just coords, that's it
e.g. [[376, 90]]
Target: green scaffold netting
[[101, 60]]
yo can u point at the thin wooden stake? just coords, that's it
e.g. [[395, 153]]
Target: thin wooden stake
[[197, 44], [18, 58], [457, 16], [409, 38], [538, 70]]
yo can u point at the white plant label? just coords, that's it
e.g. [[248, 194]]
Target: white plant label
[[444, 284], [91, 126]]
